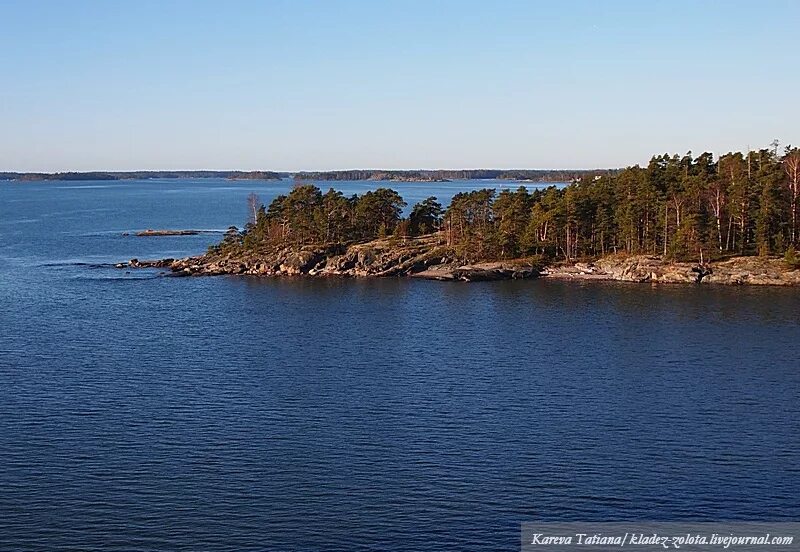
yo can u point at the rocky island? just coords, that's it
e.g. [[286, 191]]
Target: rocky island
[[679, 220], [150, 232]]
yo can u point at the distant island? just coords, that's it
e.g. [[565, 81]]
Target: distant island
[[143, 175], [532, 175], [680, 219], [445, 175]]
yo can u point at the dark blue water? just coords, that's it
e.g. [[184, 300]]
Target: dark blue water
[[146, 413]]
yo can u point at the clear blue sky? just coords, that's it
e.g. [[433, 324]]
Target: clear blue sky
[[296, 84]]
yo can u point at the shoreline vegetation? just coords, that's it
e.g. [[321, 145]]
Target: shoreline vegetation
[[680, 219]]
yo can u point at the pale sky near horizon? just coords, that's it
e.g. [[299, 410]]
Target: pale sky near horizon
[[340, 84]]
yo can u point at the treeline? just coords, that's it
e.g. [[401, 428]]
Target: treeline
[[144, 175], [307, 216], [681, 207], [445, 175]]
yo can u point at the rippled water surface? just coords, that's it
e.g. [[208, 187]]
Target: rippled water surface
[[139, 412]]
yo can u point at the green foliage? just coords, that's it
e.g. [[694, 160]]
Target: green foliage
[[307, 216], [512, 211], [426, 217], [232, 238], [470, 225], [378, 212], [682, 207], [791, 259]]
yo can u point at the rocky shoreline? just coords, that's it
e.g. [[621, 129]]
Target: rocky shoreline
[[748, 270], [427, 257], [423, 257]]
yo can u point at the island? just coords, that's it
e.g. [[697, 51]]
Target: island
[[165, 232], [680, 219], [449, 175], [142, 175], [150, 232]]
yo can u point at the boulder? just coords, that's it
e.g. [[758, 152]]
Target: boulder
[[365, 258], [300, 262]]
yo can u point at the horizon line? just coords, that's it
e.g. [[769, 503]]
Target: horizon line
[[123, 171]]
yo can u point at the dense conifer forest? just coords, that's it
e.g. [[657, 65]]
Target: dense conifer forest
[[681, 207]]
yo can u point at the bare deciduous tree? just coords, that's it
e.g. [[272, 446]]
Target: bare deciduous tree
[[253, 205], [791, 164]]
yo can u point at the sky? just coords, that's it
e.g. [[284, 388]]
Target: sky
[[340, 84]]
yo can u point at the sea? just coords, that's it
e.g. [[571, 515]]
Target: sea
[[142, 412]]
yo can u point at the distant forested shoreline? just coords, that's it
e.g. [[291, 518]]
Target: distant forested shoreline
[[534, 175], [143, 175]]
